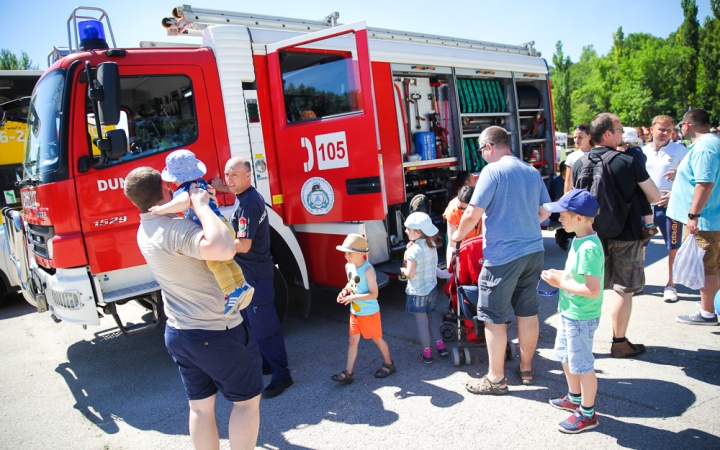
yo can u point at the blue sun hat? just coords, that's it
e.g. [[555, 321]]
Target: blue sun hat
[[421, 221], [182, 166]]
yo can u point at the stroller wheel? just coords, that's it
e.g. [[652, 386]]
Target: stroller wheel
[[510, 351], [468, 360], [456, 356], [448, 332]]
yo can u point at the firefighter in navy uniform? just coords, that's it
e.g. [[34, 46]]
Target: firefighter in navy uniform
[[252, 244]]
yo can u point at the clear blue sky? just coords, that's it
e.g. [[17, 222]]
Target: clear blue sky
[[35, 26]]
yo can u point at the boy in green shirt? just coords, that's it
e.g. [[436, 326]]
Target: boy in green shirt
[[579, 305]]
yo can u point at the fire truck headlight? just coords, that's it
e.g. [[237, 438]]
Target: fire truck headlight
[[50, 248]]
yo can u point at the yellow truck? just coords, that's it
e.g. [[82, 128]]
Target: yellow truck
[[16, 86]]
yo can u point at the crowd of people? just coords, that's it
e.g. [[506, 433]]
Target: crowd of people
[[667, 187]]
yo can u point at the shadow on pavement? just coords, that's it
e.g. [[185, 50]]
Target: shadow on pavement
[[14, 305], [702, 365], [630, 435], [137, 366]]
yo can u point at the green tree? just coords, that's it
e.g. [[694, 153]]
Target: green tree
[[618, 39], [561, 89], [10, 61], [688, 37], [709, 64]]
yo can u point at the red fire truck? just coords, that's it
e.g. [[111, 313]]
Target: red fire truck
[[348, 129]]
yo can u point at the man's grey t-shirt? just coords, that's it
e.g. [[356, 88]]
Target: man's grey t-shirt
[[193, 299], [511, 192]]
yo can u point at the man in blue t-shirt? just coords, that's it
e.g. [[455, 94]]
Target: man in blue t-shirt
[[252, 243], [696, 203], [510, 193]]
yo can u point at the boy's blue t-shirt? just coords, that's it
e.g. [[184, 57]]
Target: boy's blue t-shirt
[[586, 258], [358, 281], [190, 213], [511, 192]]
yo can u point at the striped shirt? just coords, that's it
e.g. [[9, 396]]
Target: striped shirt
[[192, 296], [426, 261]]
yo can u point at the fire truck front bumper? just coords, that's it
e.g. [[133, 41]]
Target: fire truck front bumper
[[69, 295]]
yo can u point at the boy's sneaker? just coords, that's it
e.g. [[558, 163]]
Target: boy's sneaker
[[578, 423], [564, 403], [426, 356], [442, 351], [670, 294], [697, 318], [238, 299]]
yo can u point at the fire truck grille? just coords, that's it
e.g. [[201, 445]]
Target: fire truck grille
[[69, 300], [40, 237]]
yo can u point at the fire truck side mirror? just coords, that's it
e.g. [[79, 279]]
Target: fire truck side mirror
[[108, 82], [114, 146]]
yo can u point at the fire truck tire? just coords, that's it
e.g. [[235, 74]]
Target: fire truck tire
[[29, 299], [281, 294]]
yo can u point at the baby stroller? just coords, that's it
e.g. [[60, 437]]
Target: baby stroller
[[460, 323]]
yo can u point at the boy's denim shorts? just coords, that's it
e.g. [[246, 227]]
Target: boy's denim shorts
[[418, 304], [573, 344], [226, 360]]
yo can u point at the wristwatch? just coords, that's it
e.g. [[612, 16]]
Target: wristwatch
[[693, 216]]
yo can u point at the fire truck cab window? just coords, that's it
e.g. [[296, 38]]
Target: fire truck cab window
[[318, 83], [158, 114]]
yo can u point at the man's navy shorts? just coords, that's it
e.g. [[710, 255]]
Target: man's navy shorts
[[226, 360]]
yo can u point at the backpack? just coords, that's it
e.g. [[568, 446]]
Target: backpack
[[596, 178]]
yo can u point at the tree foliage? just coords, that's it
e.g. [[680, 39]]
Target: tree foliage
[[10, 61], [561, 88], [643, 75]]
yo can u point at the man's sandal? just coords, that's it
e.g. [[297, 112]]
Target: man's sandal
[[525, 374], [487, 387], [343, 377], [385, 370]]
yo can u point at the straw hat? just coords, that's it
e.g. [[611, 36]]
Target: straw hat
[[354, 243]]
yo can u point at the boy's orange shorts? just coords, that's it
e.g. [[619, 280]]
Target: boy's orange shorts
[[369, 326]]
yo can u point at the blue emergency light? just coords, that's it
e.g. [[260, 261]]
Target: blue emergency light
[[92, 35]]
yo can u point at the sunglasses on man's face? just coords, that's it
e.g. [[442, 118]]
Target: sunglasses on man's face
[[543, 293]]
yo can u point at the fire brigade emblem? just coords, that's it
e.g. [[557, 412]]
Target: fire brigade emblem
[[317, 196], [242, 227]]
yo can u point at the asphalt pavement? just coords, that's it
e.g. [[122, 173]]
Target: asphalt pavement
[[62, 387]]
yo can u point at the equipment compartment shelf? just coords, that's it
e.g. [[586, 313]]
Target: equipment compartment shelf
[[531, 110], [431, 163], [533, 141], [497, 114]]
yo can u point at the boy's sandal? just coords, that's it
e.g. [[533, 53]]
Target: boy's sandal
[[487, 387], [385, 370], [343, 377], [526, 374]]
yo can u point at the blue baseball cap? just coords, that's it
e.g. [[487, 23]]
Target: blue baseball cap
[[578, 201]]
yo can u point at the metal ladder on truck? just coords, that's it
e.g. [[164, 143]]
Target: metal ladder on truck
[[189, 21]]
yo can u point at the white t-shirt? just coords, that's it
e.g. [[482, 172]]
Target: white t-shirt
[[573, 157], [661, 161]]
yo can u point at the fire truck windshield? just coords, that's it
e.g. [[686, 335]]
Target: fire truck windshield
[[42, 148]]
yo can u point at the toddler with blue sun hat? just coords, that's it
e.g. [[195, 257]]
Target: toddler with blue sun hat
[[182, 170]]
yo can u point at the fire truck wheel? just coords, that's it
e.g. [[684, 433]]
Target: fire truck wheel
[[281, 294]]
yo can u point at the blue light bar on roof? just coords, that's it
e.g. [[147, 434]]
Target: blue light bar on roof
[[92, 35]]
